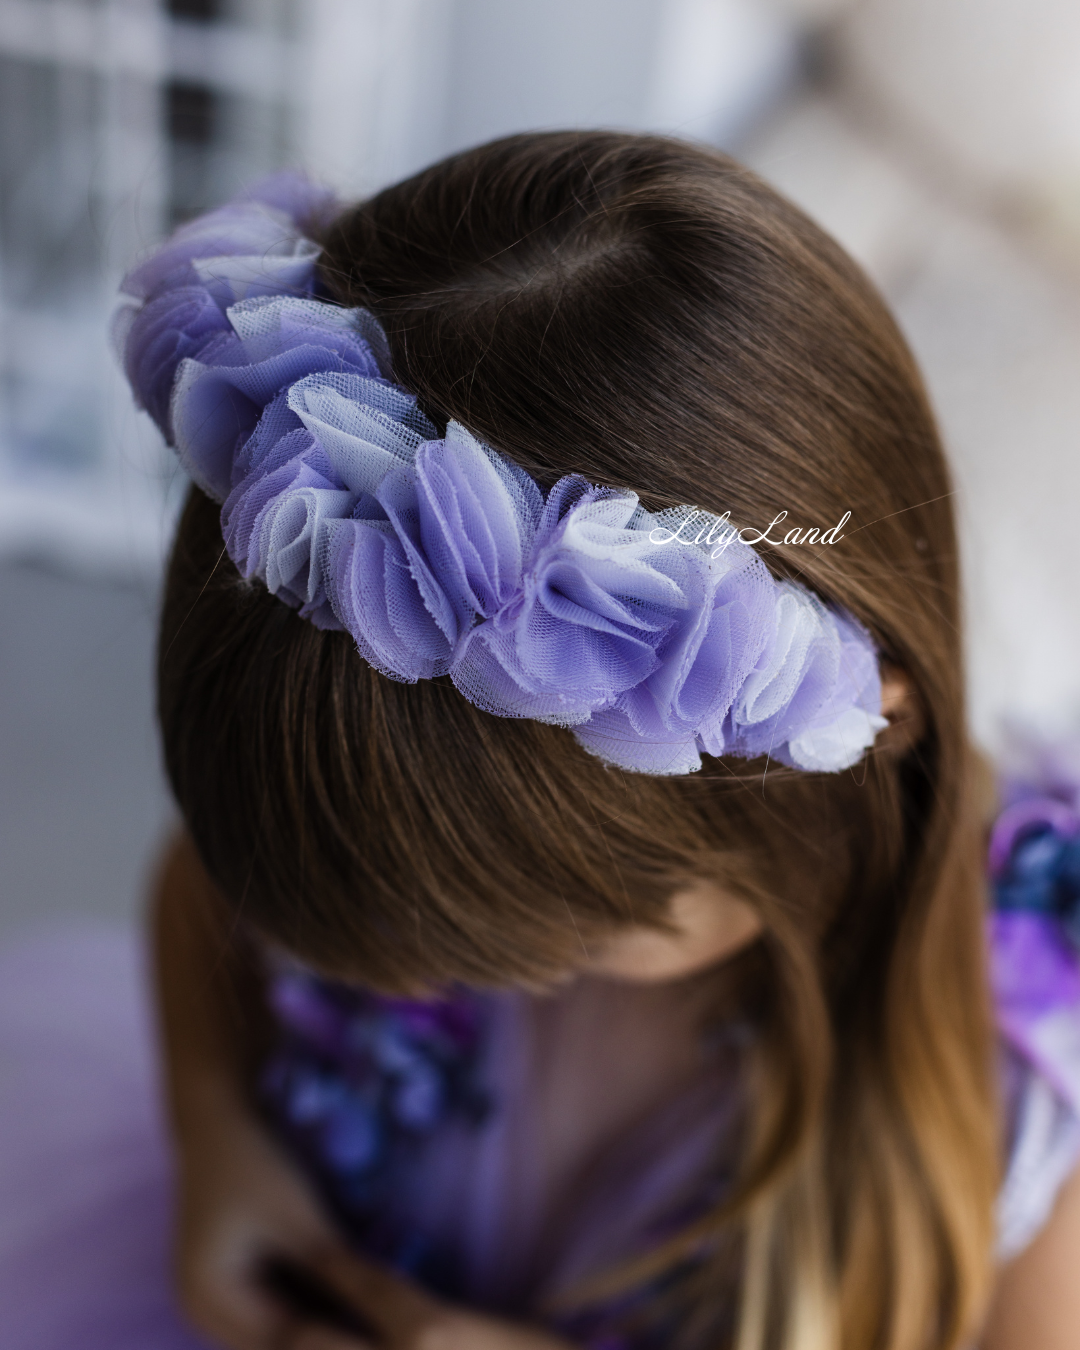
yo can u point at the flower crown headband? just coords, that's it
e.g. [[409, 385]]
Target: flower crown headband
[[438, 555]]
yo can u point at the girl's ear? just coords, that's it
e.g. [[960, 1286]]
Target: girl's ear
[[901, 705]]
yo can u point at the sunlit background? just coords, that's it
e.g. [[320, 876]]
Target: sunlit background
[[939, 140]]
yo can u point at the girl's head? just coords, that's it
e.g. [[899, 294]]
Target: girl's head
[[648, 315]]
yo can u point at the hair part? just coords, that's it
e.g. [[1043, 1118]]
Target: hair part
[[650, 315]]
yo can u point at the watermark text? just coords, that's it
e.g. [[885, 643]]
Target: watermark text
[[701, 529]]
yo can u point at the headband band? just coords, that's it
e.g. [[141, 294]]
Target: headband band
[[438, 555]]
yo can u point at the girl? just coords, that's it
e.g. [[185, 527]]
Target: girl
[[577, 936]]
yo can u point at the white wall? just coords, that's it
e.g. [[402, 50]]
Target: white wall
[[948, 163], [995, 83], [563, 63], [391, 85]]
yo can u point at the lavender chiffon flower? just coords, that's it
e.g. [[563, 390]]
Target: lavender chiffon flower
[[156, 338], [662, 724], [535, 609], [800, 702], [253, 247], [849, 717], [270, 226], [438, 559], [587, 619], [375, 595], [296, 501], [275, 342], [366, 425], [314, 451], [755, 667], [438, 554], [478, 517]]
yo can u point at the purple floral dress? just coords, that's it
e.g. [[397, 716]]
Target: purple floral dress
[[412, 1121], [418, 1122]]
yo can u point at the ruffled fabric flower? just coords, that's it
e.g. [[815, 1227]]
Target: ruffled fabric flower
[[583, 623], [219, 399], [252, 247], [442, 557], [261, 240]]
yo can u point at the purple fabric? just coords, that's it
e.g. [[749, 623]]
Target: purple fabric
[[416, 1121], [270, 223], [1034, 967], [219, 401], [1034, 860], [1019, 818], [85, 1203], [253, 246], [85, 1188], [439, 556], [84, 1169]]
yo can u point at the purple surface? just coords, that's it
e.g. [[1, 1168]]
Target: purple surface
[[84, 1169]]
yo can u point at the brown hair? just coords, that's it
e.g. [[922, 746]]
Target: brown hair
[[650, 315]]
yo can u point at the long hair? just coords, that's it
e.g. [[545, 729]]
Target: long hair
[[650, 315]]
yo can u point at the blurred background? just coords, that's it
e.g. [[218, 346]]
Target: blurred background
[[939, 140]]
